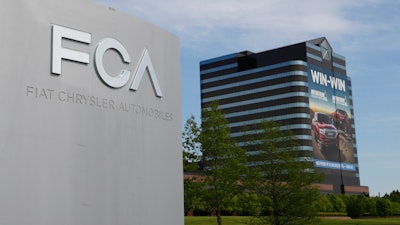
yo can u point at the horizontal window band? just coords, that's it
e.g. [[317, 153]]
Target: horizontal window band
[[315, 47], [256, 95], [262, 89], [267, 109], [255, 86], [251, 76], [271, 103], [335, 55], [246, 72], [256, 80], [283, 128], [339, 66], [309, 55], [263, 99], [219, 68], [279, 118]]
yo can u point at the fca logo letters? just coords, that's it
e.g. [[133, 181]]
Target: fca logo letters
[[59, 53]]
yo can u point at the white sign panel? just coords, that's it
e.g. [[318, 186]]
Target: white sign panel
[[90, 117]]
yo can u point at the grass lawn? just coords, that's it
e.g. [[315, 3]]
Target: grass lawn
[[210, 220], [238, 220]]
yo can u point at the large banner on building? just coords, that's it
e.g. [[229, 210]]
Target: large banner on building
[[90, 117], [331, 120]]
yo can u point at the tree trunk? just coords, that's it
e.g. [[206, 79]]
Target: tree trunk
[[219, 219]]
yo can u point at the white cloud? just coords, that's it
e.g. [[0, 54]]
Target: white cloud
[[238, 23]]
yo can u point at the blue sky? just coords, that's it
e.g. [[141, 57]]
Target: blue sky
[[366, 32]]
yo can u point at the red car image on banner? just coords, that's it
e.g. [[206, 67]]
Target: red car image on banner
[[331, 119]]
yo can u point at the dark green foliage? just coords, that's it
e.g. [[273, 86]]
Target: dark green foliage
[[323, 204], [241, 220], [395, 208], [246, 204], [282, 177], [193, 195], [355, 205], [191, 145], [337, 203], [394, 196], [193, 187], [383, 207], [224, 161], [370, 206]]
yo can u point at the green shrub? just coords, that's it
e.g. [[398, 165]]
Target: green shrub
[[355, 206]]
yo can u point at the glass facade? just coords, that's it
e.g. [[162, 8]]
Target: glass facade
[[305, 88]]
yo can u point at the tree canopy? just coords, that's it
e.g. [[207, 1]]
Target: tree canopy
[[282, 175], [191, 145], [274, 174], [224, 161]]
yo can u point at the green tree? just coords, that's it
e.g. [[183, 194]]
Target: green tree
[[394, 196], [224, 161], [356, 205], [191, 145], [383, 207], [395, 208], [337, 203], [193, 194], [246, 204], [323, 204], [370, 206], [282, 175], [193, 186]]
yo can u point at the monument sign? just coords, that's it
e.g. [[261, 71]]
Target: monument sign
[[90, 117]]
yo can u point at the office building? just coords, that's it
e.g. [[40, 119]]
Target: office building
[[305, 88]]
